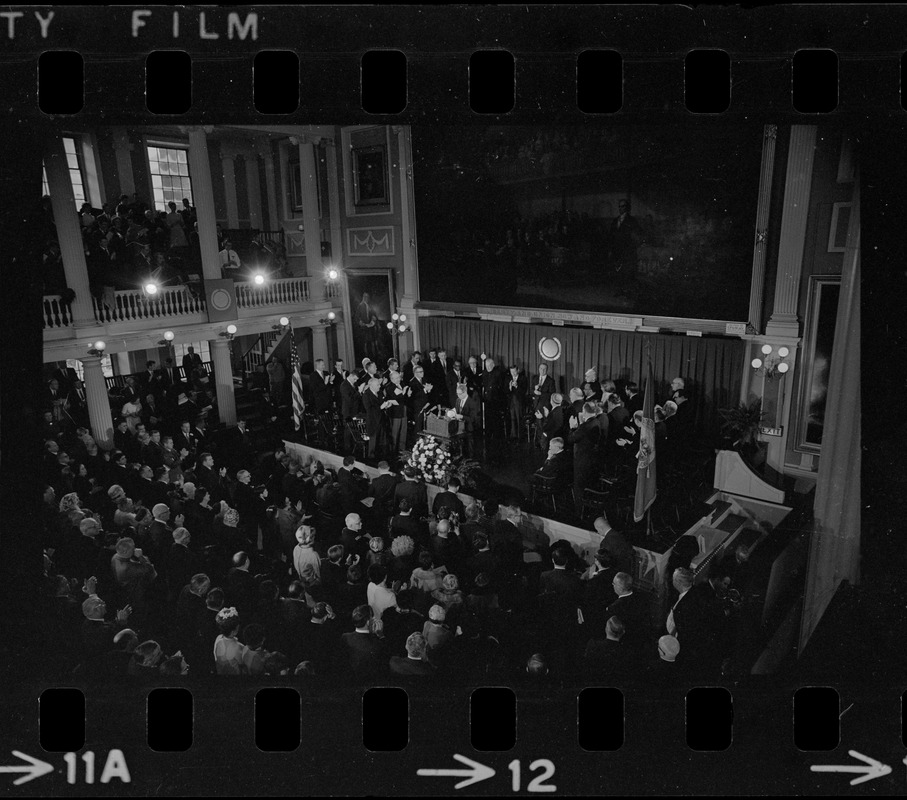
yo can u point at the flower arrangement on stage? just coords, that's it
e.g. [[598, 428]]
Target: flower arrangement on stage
[[430, 458]]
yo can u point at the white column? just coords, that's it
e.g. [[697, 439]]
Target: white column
[[784, 320], [229, 170], [343, 341], [69, 234], [408, 246], [311, 221], [123, 365], [319, 342], [122, 149], [98, 403], [333, 158], [757, 283], [223, 380], [253, 186], [203, 195], [271, 189]]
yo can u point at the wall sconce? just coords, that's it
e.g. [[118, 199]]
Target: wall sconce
[[97, 349], [772, 362], [330, 319], [167, 340], [229, 333], [150, 288], [281, 325], [332, 273], [258, 279], [398, 324]]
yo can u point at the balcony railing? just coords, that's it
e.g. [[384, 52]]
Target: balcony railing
[[135, 304], [280, 292], [171, 302], [56, 313]]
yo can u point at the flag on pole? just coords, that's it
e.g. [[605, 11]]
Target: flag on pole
[[645, 468], [298, 402]]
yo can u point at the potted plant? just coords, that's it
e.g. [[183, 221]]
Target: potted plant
[[740, 430]]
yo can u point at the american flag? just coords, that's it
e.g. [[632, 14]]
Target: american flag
[[298, 402]]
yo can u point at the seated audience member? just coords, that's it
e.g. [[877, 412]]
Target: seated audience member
[[380, 597], [304, 554], [414, 663], [364, 650], [449, 499], [229, 653], [605, 658]]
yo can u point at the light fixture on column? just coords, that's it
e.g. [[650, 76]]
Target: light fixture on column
[[281, 325], [258, 279], [396, 328], [229, 333], [167, 340], [332, 273], [772, 362], [97, 349], [330, 319], [150, 288]]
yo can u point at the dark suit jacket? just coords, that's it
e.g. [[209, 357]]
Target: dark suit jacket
[[350, 401], [321, 392], [382, 489], [635, 612], [585, 441], [366, 654], [557, 467], [547, 389], [623, 557], [555, 423], [564, 584], [493, 387], [373, 414], [449, 499], [416, 493], [472, 413], [516, 397], [452, 381], [408, 667], [418, 397]]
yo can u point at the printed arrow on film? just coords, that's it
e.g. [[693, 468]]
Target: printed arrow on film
[[873, 768], [34, 769], [476, 772]]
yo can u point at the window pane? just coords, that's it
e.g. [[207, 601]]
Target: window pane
[[187, 188], [183, 169], [156, 181], [72, 161], [181, 156], [69, 145]]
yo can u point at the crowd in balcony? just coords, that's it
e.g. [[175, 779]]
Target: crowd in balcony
[[128, 244]]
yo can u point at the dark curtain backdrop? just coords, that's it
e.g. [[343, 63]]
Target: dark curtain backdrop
[[711, 368]]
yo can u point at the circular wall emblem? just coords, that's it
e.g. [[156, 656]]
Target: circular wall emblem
[[550, 348], [221, 299]]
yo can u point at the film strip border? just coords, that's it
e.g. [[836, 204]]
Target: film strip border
[[272, 64]]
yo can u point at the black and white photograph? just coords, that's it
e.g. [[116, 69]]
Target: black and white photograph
[[497, 444]]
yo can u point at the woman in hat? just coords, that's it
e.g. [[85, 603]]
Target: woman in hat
[[229, 652]]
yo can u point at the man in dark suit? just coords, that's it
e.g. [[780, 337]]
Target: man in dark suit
[[413, 665], [553, 420], [598, 594], [585, 435], [382, 489], [542, 389], [469, 412], [436, 375], [191, 361], [169, 373], [364, 650], [622, 554], [564, 584], [691, 619], [405, 523], [353, 483], [374, 418], [321, 387], [241, 589], [77, 404], [473, 375], [350, 406], [634, 398], [184, 439], [592, 388], [454, 378], [338, 377], [413, 490], [557, 464], [633, 609], [517, 387], [493, 396], [449, 498], [420, 397]]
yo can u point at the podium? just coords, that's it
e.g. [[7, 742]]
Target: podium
[[449, 433]]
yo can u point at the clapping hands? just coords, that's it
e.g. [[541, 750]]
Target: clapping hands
[[123, 614]]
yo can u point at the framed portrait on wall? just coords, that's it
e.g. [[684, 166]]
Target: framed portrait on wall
[[372, 301], [370, 176], [822, 314]]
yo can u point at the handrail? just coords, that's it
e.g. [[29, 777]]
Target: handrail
[[56, 313], [280, 291], [133, 304]]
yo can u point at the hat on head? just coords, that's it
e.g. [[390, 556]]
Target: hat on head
[[668, 648], [231, 517]]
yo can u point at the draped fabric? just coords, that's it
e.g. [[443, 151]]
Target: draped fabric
[[834, 552], [711, 368]]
